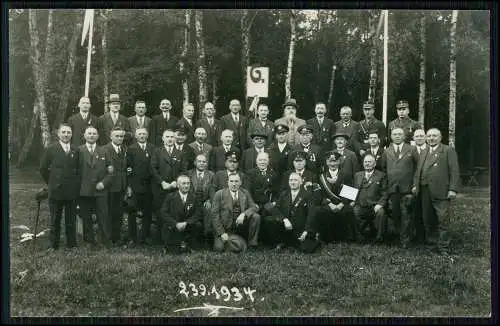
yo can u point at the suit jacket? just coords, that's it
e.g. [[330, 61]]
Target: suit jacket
[[139, 161], [323, 134], [254, 125], [187, 156], [206, 186], [119, 168], [378, 158], [189, 129], [372, 191], [165, 167], [207, 148], [352, 131], [222, 209], [221, 179], [307, 176], [263, 188], [105, 125], [408, 125], [301, 212], [293, 136], [60, 171], [217, 159], [159, 125], [173, 210], [94, 169], [279, 160], [440, 169], [363, 132], [134, 124], [324, 196], [400, 170], [248, 159], [78, 126], [348, 165], [240, 129], [213, 132], [314, 157]]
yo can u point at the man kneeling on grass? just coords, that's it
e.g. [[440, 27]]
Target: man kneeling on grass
[[234, 215], [293, 217], [182, 218]]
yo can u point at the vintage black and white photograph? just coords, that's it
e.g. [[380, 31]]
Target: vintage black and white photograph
[[249, 162]]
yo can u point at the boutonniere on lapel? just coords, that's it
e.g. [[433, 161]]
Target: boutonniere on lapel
[[378, 156], [189, 206], [324, 129], [400, 156], [435, 164], [90, 122], [174, 158], [312, 157], [147, 154], [286, 153], [129, 170], [71, 153]]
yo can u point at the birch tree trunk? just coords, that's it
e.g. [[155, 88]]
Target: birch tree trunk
[[319, 56], [182, 61], [330, 91], [215, 97], [40, 77], [453, 80], [30, 135], [105, 68], [373, 57], [288, 78], [421, 97], [202, 70], [245, 50]]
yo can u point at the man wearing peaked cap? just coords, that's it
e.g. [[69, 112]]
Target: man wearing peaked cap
[[112, 119], [250, 154], [281, 128], [404, 121], [313, 151], [279, 150], [368, 124], [291, 121], [232, 159]]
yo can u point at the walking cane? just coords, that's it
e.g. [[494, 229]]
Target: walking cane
[[41, 195]]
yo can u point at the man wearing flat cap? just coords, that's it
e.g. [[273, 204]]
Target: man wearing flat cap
[[323, 127], [404, 121], [261, 124], [370, 123], [112, 119], [232, 159], [299, 161], [348, 160], [279, 150], [313, 151], [250, 154], [290, 120]]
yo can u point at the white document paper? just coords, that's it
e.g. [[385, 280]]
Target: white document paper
[[349, 192]]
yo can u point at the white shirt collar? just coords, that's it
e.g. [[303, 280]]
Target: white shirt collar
[[183, 196], [84, 115], [115, 147], [369, 174], [396, 146], [234, 194], [282, 145], [227, 148], [91, 146], [374, 149], [141, 145], [333, 173], [64, 146], [165, 115]]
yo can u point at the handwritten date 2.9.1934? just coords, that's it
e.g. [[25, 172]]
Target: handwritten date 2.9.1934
[[220, 293]]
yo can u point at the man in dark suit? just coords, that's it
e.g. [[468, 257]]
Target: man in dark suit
[[212, 126], [250, 154], [437, 180], [348, 159], [313, 151], [261, 124], [349, 127], [112, 119], [94, 185], [293, 219], [375, 149], [419, 237], [182, 218], [200, 146], [59, 168], [217, 160], [279, 151], [139, 185], [161, 122], [231, 166], [203, 182], [404, 121], [181, 134], [371, 200], [166, 165], [323, 127], [78, 122], [334, 213], [187, 122], [400, 161], [367, 125], [118, 168], [308, 177], [139, 120], [235, 217], [237, 123]]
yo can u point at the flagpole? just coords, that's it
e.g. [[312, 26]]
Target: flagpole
[[386, 29], [89, 52]]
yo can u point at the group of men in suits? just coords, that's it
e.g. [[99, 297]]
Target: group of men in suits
[[236, 182]]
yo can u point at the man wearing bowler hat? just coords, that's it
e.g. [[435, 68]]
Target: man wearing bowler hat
[[112, 119], [250, 154], [313, 151], [279, 150], [231, 166], [290, 120], [404, 121], [370, 123], [348, 160]]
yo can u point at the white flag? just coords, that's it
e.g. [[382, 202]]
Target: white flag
[[87, 21]]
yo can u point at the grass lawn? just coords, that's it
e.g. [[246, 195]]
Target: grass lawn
[[340, 280]]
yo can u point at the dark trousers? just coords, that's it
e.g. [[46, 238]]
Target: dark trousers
[[402, 215], [249, 230], [191, 235], [99, 206], [144, 203], [334, 226], [275, 233], [56, 207], [158, 198], [115, 204], [419, 228], [370, 224], [436, 219]]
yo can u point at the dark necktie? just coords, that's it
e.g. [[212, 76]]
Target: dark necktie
[[398, 151]]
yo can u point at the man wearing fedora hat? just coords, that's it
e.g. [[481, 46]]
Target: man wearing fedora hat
[[404, 121], [312, 151], [112, 119], [250, 154], [323, 127], [80, 121], [279, 150], [290, 120], [348, 160], [370, 123], [261, 124]]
